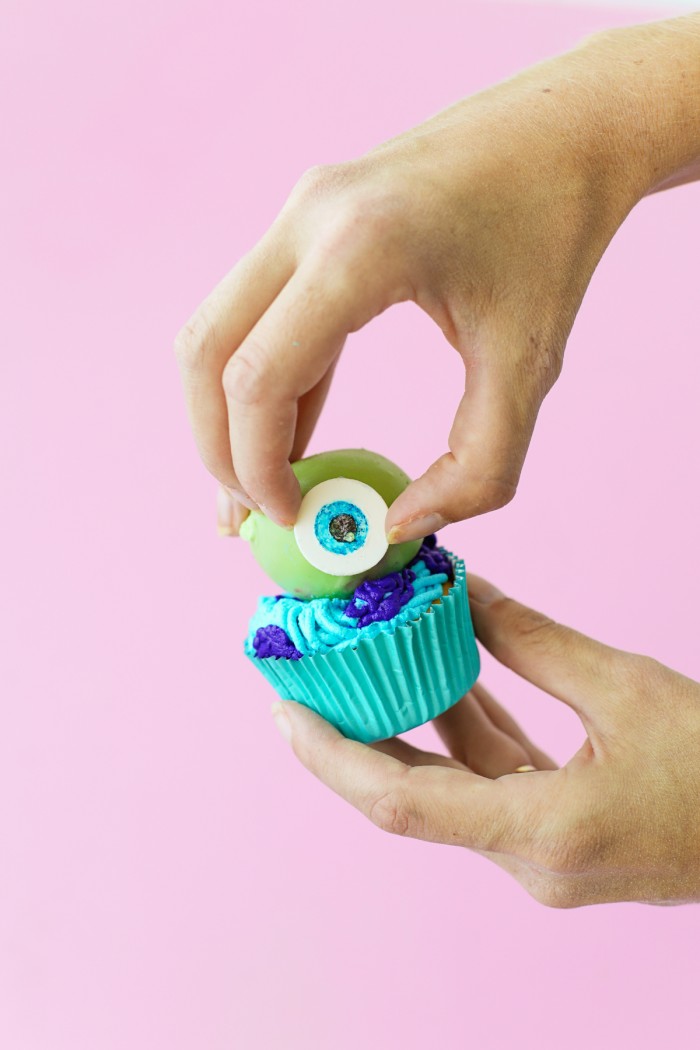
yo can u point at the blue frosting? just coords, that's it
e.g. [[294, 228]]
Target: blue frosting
[[319, 625]]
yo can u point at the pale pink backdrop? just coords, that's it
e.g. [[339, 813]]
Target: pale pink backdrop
[[170, 877]]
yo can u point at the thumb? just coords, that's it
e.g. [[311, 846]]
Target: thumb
[[487, 447], [437, 803]]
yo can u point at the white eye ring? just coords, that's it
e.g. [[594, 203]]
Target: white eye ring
[[357, 551]]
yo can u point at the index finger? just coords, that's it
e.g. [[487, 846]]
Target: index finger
[[288, 353], [213, 334], [579, 671]]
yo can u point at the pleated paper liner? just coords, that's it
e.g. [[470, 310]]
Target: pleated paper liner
[[393, 682]]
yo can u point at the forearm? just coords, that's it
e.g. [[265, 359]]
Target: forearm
[[618, 117], [649, 79]]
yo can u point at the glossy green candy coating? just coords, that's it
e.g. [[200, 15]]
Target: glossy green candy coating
[[276, 551]]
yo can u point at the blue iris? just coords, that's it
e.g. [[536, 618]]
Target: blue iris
[[341, 527]]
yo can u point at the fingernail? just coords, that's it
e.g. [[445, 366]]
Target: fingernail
[[282, 721], [225, 513], [415, 528], [482, 591], [288, 525], [240, 497]]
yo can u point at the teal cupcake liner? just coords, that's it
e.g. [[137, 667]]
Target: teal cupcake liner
[[393, 682]]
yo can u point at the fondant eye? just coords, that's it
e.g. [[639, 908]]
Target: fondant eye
[[340, 528]]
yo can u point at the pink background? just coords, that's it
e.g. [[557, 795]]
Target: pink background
[[170, 877]]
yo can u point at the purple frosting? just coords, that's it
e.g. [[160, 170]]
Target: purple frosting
[[273, 641], [433, 559], [381, 599]]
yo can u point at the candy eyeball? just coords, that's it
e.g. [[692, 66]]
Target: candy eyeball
[[339, 538], [340, 527]]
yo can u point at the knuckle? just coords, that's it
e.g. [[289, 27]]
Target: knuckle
[[494, 493], [245, 377], [475, 491], [370, 216], [391, 813], [317, 181], [558, 893], [636, 680], [195, 340], [637, 673], [354, 212], [579, 843]]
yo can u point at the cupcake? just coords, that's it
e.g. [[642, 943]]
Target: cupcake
[[375, 638]]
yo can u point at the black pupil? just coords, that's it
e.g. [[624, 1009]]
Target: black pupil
[[343, 528]]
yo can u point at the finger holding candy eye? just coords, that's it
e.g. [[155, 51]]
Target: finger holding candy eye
[[339, 538]]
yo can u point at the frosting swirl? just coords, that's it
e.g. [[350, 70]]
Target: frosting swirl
[[289, 627]]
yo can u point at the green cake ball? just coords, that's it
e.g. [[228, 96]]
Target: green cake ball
[[278, 552]]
